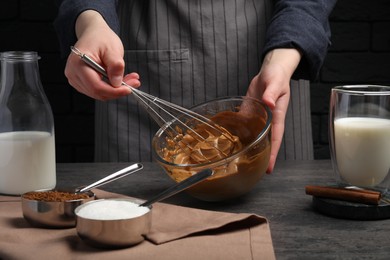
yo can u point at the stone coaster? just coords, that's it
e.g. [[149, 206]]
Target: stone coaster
[[353, 210]]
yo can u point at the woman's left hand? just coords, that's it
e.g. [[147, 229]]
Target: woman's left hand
[[272, 86]]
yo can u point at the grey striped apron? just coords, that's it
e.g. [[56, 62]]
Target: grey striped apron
[[188, 52]]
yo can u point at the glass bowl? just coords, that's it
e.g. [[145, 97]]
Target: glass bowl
[[239, 171]]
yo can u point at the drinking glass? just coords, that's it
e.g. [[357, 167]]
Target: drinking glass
[[359, 130]]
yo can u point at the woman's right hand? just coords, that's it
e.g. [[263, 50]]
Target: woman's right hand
[[99, 42]]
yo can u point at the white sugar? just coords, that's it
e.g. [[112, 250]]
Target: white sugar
[[112, 210]]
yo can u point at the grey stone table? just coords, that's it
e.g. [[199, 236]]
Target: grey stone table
[[298, 231]]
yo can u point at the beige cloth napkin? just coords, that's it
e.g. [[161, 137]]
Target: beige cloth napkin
[[176, 233]]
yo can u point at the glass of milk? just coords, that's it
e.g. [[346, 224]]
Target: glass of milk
[[359, 130]]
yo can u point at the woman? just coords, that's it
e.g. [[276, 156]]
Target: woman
[[188, 52]]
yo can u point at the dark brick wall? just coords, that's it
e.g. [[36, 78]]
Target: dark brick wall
[[360, 54], [27, 25]]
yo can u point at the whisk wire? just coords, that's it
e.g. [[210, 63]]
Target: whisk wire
[[161, 121], [188, 113], [156, 101], [154, 105]]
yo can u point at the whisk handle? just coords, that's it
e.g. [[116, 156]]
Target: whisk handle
[[93, 64], [180, 186], [89, 61]]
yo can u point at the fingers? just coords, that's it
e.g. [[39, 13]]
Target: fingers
[[278, 122], [115, 69], [272, 86], [132, 79], [101, 44], [89, 82], [276, 71], [276, 137]]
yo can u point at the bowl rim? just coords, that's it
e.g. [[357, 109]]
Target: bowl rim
[[363, 89], [212, 164]]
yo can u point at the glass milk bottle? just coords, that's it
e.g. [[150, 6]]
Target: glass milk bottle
[[27, 149]]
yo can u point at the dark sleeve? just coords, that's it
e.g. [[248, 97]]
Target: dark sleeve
[[304, 25], [69, 10]]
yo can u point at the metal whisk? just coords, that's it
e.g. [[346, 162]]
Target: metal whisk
[[165, 113]]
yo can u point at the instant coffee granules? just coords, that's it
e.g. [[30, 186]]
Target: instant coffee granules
[[51, 196]]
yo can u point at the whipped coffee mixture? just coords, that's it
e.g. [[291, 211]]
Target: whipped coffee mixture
[[201, 145], [238, 131], [232, 177]]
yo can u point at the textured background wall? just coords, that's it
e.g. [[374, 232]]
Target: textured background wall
[[360, 54], [27, 25]]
